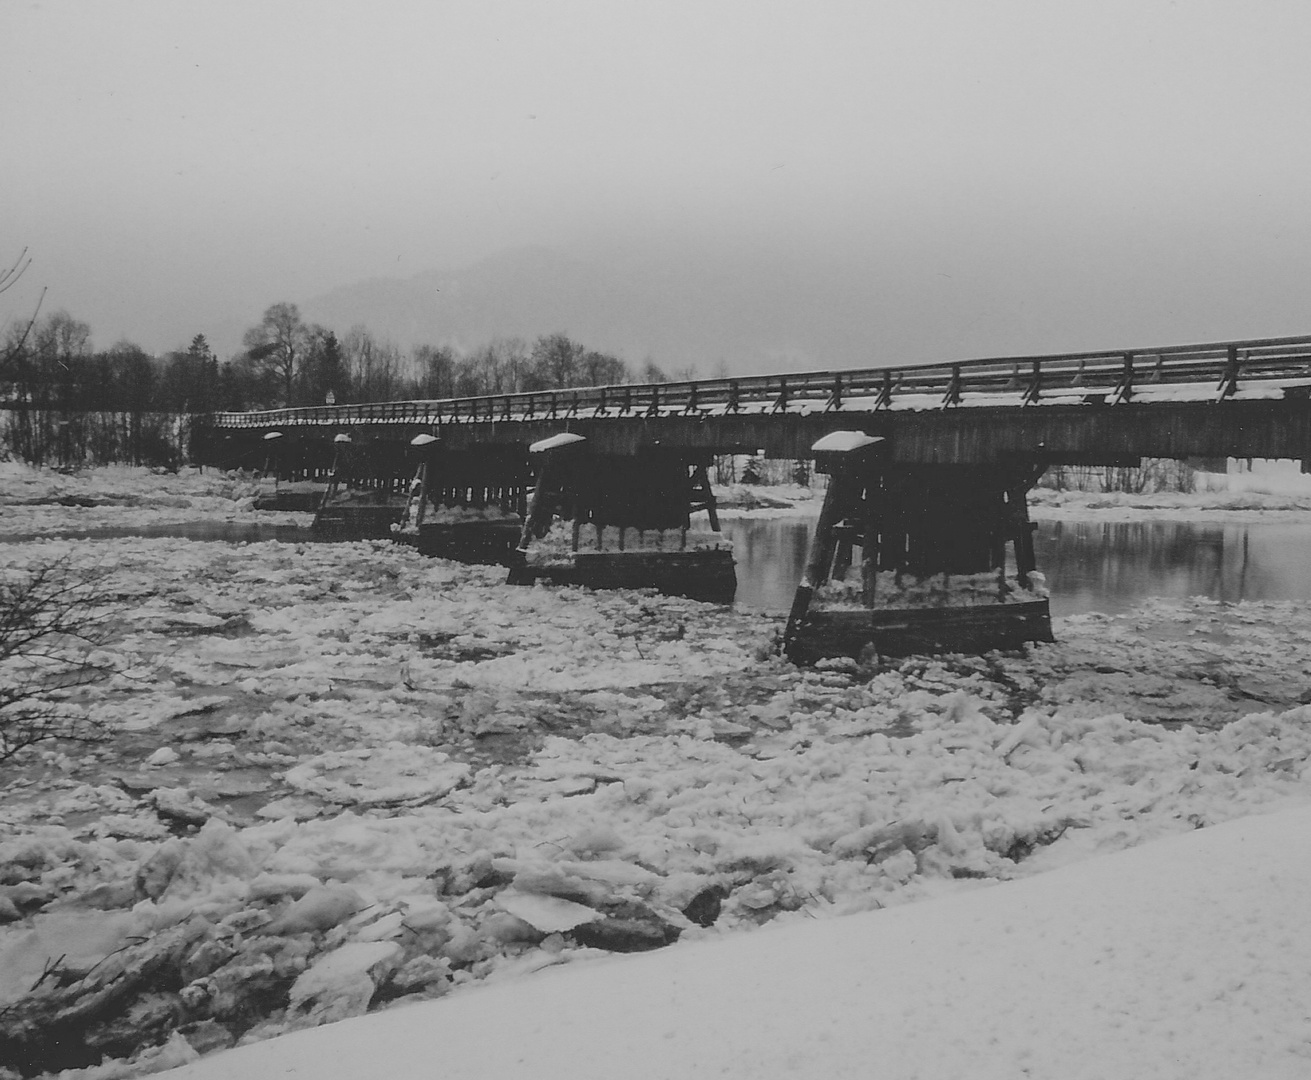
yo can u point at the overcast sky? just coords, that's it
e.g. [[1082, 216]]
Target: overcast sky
[[1029, 175]]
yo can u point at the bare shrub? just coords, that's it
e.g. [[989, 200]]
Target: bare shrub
[[53, 619], [1153, 475]]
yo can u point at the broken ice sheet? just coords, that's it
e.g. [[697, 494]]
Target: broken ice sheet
[[379, 776], [549, 914], [143, 712]]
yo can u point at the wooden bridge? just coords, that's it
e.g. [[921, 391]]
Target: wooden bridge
[[930, 466]]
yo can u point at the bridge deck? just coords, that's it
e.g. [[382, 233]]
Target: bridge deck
[[1236, 398]]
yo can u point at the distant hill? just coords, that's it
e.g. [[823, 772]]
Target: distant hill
[[525, 292], [676, 312], [741, 308]]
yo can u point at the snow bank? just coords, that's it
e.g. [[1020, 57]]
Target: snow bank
[[1046, 504], [771, 499], [1185, 958]]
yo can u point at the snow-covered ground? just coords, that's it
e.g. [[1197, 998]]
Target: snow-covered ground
[[348, 777], [1186, 957], [1258, 490]]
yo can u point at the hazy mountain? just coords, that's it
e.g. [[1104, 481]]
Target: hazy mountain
[[525, 292], [731, 306], [676, 310]]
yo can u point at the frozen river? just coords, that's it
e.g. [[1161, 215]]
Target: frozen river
[[320, 753]]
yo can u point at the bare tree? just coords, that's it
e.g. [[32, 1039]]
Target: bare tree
[[53, 618], [323, 372], [499, 367], [557, 361], [61, 339], [436, 367], [601, 369], [375, 365], [279, 343], [17, 334]]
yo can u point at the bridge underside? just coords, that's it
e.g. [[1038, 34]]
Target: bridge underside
[[937, 496], [1054, 434]]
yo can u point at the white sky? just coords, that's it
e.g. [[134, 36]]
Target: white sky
[[1031, 174]]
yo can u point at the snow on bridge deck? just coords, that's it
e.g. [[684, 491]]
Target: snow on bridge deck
[[1240, 398]]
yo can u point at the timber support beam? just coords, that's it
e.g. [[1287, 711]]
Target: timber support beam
[[628, 521], [935, 575]]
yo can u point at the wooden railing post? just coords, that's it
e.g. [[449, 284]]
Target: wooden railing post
[[781, 402], [1124, 391], [884, 399], [1229, 383], [952, 396], [835, 398], [1032, 394]]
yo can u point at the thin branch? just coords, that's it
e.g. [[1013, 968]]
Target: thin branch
[[9, 278], [53, 618]]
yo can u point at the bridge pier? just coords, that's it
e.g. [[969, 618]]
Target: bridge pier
[[935, 575], [623, 521], [365, 487], [465, 504]]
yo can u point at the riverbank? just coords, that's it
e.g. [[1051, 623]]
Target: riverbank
[[45, 501], [1237, 507], [343, 776]]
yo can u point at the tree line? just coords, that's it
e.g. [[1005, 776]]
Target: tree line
[[284, 361]]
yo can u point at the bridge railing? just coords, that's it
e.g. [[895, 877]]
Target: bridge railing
[[1113, 377]]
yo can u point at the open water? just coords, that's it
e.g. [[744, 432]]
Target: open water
[[1090, 566]]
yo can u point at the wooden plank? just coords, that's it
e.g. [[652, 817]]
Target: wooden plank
[[903, 632], [699, 575]]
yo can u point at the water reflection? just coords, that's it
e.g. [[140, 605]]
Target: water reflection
[[771, 556], [1111, 566], [1090, 566]]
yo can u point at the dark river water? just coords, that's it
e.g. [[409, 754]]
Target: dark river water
[[1090, 566]]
